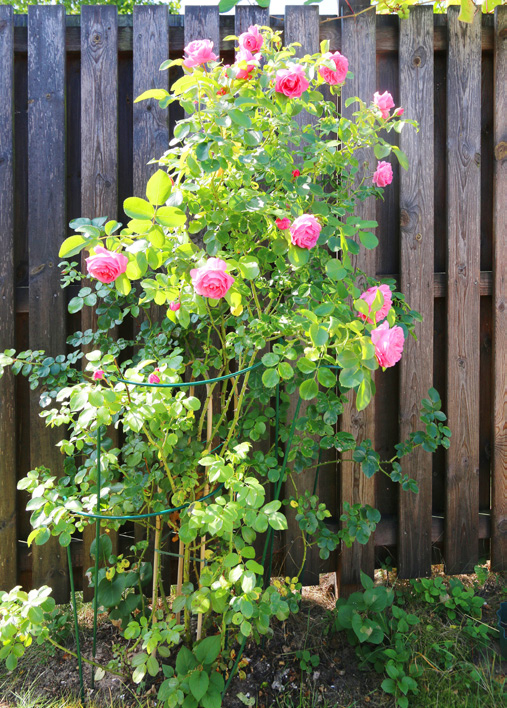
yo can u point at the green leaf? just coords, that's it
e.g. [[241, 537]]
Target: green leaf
[[208, 649], [308, 389], [381, 151], [170, 217], [152, 665], [326, 377], [75, 305], [159, 188], [402, 158], [249, 268], [468, 10], [270, 359], [185, 661], [298, 256], [270, 378], [306, 366], [335, 270], [240, 117], [71, 246], [157, 94], [122, 284], [319, 335], [368, 239], [110, 591], [138, 208], [198, 682], [226, 5]]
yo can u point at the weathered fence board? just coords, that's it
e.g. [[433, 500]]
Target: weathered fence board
[[416, 219], [409, 525], [358, 45], [499, 501], [99, 149], [46, 231], [463, 297], [8, 530]]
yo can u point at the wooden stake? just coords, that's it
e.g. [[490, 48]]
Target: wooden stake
[[209, 432], [156, 563]]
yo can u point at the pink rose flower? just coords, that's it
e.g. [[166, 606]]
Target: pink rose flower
[[295, 173], [97, 375], [369, 297], [245, 55], [174, 306], [383, 175], [305, 231], [399, 111], [252, 40], [339, 74], [199, 52], [211, 280], [384, 102], [106, 265], [283, 224], [388, 344], [292, 81], [153, 378]]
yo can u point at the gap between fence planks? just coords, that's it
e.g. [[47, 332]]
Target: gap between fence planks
[[358, 42], [499, 378], [463, 296], [99, 163], [417, 236], [46, 231], [8, 527]]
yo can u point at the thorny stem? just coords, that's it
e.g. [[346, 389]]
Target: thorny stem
[[87, 661]]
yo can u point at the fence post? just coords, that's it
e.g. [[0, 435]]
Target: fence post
[[99, 156], [359, 46], [8, 548], [463, 293], [499, 476], [46, 231], [417, 232]]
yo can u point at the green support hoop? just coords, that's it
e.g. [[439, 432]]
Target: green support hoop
[[99, 517]]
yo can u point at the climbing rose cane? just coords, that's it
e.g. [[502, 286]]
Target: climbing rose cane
[[211, 280], [388, 344], [106, 265]]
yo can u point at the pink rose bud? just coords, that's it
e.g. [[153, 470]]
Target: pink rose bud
[[106, 265], [383, 175], [283, 224], [295, 173], [174, 306], [399, 111], [384, 102], [153, 378], [222, 92], [369, 297], [292, 82], [245, 56], [211, 280], [305, 231], [199, 52], [252, 40], [339, 74], [388, 344], [97, 375]]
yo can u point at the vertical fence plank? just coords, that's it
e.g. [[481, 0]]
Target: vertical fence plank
[[8, 553], [202, 22], [499, 478], [46, 231], [417, 234], [463, 278], [247, 15], [301, 25], [151, 123], [358, 45], [99, 150]]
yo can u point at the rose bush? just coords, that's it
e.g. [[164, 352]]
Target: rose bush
[[245, 242]]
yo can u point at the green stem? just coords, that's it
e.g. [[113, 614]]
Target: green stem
[[87, 661]]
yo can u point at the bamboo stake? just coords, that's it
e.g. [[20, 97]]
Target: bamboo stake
[[156, 563], [209, 433], [181, 549]]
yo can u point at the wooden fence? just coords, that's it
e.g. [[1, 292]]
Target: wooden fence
[[73, 143]]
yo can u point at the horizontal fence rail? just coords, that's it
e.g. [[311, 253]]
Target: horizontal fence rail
[[72, 143]]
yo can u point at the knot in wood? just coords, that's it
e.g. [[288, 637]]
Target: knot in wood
[[97, 38], [461, 363], [419, 57], [477, 158], [418, 237], [3, 25], [501, 151], [404, 217]]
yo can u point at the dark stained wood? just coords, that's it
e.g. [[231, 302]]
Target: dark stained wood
[[301, 25], [416, 218], [8, 556], [463, 272], [358, 45], [247, 15], [202, 23], [499, 478], [330, 28], [99, 150], [46, 231]]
